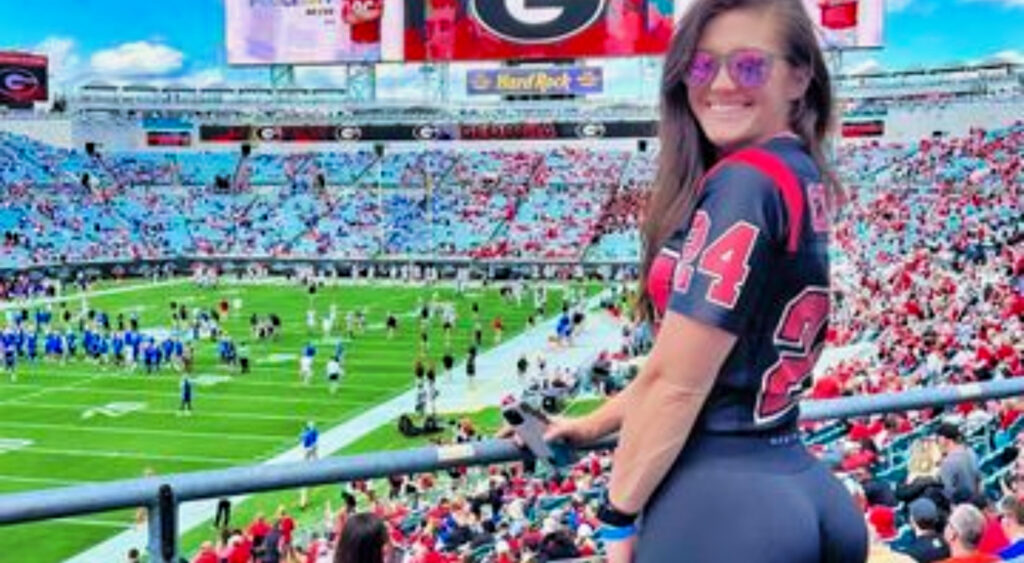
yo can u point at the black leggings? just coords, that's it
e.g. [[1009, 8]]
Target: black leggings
[[750, 499]]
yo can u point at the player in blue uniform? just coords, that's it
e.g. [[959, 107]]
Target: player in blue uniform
[[32, 346], [186, 395], [10, 355], [736, 279], [309, 438]]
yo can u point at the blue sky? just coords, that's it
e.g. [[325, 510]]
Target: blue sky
[[166, 42]]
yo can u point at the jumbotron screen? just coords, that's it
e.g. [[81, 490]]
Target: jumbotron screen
[[263, 32]]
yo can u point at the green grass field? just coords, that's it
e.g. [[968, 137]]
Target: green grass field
[[47, 440]]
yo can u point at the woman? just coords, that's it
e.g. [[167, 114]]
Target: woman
[[923, 476], [736, 277], [364, 539]]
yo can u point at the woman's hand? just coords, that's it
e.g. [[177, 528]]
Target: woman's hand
[[576, 431]]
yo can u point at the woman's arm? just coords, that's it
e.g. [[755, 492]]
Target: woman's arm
[[659, 417], [607, 419]]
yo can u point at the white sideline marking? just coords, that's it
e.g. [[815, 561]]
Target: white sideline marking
[[233, 436]]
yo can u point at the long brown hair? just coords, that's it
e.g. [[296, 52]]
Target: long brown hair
[[686, 153]]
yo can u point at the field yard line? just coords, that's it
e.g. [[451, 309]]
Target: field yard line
[[340, 398], [41, 480], [198, 413], [88, 294], [134, 455], [42, 392], [240, 381], [94, 523], [496, 369], [233, 436]]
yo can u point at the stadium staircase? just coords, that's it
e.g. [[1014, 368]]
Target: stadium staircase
[[596, 231], [330, 201], [501, 229]]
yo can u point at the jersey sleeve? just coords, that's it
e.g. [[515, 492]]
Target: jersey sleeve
[[733, 244]]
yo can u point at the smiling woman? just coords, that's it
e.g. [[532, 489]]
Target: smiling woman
[[736, 277]]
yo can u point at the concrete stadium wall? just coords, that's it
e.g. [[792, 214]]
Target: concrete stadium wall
[[56, 132], [955, 119], [909, 124]]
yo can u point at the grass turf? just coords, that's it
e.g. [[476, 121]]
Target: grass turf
[[242, 420]]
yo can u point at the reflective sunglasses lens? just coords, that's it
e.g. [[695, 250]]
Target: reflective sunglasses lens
[[749, 69], [702, 69]]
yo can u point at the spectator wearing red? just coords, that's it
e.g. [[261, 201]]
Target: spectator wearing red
[[206, 554], [963, 533]]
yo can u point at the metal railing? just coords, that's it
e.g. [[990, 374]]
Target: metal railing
[[162, 495]]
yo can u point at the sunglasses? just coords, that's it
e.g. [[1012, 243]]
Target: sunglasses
[[749, 68]]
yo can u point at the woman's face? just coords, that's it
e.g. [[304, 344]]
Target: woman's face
[[730, 115]]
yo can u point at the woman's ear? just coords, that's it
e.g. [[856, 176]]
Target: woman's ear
[[799, 81]]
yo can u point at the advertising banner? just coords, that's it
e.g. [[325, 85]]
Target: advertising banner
[[521, 81], [351, 133], [168, 138], [854, 129]]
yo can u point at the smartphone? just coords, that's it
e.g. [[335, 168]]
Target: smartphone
[[530, 424]]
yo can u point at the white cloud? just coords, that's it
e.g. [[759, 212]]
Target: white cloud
[[203, 78], [140, 58], [1011, 56], [864, 67], [896, 5], [65, 64]]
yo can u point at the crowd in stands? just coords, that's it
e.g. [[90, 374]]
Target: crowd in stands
[[69, 206]]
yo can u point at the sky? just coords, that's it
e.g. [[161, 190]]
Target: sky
[[182, 42]]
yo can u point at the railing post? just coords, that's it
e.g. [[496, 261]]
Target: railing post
[[163, 526]]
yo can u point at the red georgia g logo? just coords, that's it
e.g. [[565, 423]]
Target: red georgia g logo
[[18, 84], [536, 21]]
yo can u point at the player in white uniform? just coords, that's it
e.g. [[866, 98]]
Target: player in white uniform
[[334, 373], [306, 368]]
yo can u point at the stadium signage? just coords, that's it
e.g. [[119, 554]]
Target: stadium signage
[[168, 138], [349, 133], [590, 130], [429, 132], [469, 30], [536, 21], [269, 133], [854, 129], [583, 80], [426, 132], [22, 79]]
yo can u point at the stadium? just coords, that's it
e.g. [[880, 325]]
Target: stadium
[[243, 319]]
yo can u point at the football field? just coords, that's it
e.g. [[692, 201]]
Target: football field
[[80, 422]]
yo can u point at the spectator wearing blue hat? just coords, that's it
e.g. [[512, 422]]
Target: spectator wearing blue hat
[[928, 544]]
